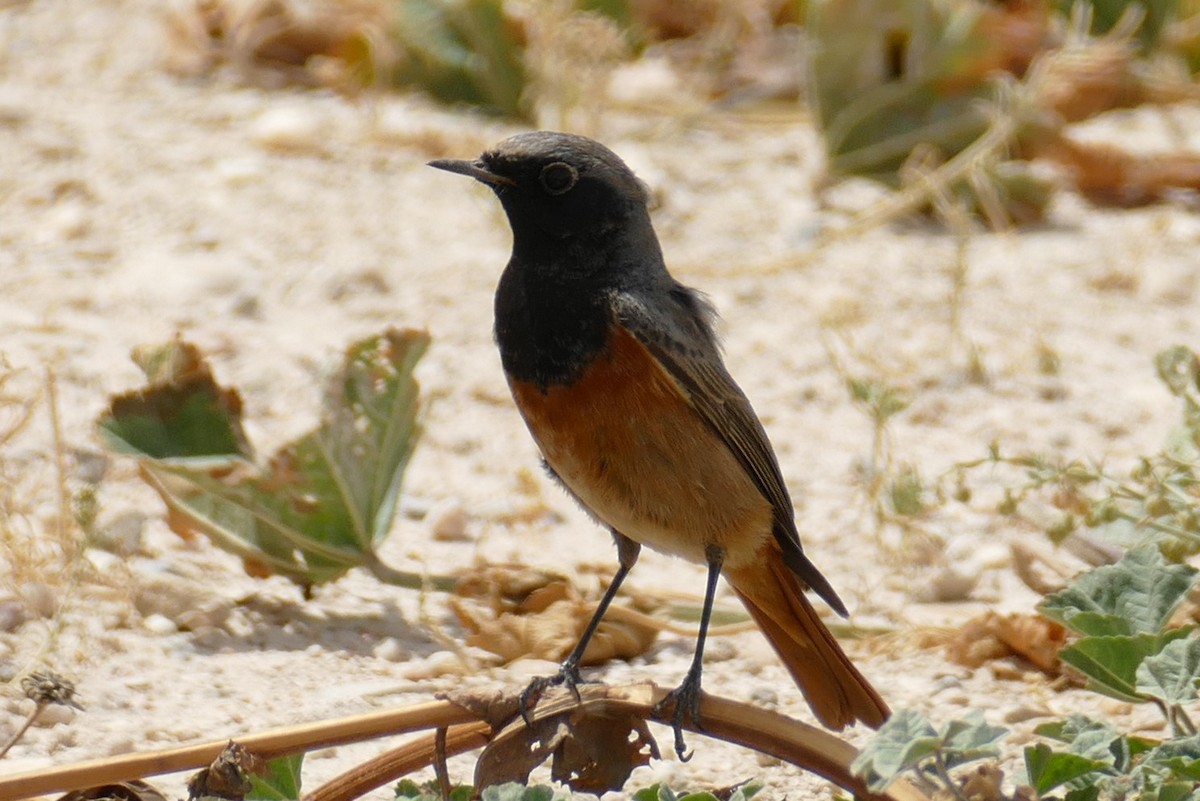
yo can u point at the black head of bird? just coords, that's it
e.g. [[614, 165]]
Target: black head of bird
[[559, 186]]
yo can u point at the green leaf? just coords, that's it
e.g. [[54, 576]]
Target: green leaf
[[408, 789], [1111, 663], [1177, 759], [181, 413], [1174, 791], [323, 502], [900, 744], [1047, 768], [467, 51], [1172, 673], [1099, 624], [1083, 793], [281, 782], [1141, 589], [969, 739], [513, 791]]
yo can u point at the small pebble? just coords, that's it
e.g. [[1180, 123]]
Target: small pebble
[[40, 598], [103, 561], [12, 614], [390, 650], [90, 466], [949, 582], [439, 663], [54, 714], [447, 521], [288, 128], [120, 745], [69, 220], [1024, 713], [159, 624], [123, 534]]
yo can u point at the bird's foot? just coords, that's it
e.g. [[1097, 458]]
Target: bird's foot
[[567, 676], [685, 700]]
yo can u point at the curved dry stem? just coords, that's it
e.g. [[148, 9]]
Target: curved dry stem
[[399, 762], [469, 720], [268, 744], [807, 747]]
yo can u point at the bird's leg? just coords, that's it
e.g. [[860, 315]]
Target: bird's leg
[[568, 671], [686, 697]]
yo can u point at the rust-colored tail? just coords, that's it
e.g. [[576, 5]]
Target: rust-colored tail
[[774, 597]]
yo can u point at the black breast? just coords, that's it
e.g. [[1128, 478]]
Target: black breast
[[549, 332]]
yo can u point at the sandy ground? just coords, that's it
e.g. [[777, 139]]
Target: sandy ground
[[274, 227]]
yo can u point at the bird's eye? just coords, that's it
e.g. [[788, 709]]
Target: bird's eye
[[558, 178]]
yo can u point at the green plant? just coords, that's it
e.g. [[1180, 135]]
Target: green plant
[[1126, 648], [1158, 501], [323, 502]]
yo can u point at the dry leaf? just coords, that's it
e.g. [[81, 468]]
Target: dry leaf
[[991, 636], [135, 790], [516, 613], [497, 707], [228, 776], [984, 783], [1110, 176], [590, 752], [273, 42]]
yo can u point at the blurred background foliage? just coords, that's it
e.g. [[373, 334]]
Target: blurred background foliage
[[949, 99]]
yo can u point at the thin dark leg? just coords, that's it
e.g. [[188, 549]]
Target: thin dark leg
[[568, 671], [686, 697]]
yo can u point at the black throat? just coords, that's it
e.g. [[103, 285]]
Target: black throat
[[548, 332]]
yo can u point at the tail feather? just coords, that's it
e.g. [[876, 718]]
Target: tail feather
[[838, 694]]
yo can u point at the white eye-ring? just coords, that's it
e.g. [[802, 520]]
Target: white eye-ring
[[558, 178]]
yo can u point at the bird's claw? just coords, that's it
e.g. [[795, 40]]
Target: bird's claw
[[683, 701], [567, 676]]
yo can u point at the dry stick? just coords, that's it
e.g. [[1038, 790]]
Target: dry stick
[[268, 744], [439, 764], [399, 762], [768, 732], [24, 727], [805, 746]]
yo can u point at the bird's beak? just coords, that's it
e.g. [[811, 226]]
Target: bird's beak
[[473, 169]]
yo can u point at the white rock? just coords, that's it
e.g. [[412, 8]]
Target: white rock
[[40, 598], [288, 128], [159, 624], [447, 521], [54, 714], [390, 650]]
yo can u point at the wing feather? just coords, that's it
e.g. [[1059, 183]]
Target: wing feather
[[680, 336]]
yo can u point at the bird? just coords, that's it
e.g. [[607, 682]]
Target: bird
[[618, 373]]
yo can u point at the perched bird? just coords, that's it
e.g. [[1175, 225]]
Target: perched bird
[[616, 370]]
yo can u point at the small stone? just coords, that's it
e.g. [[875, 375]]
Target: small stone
[[950, 582], [69, 220], [40, 598], [12, 614], [390, 650], [102, 561], [54, 714], [90, 466], [120, 745], [159, 624], [288, 128], [240, 171], [447, 521], [1024, 713], [123, 534], [439, 663]]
